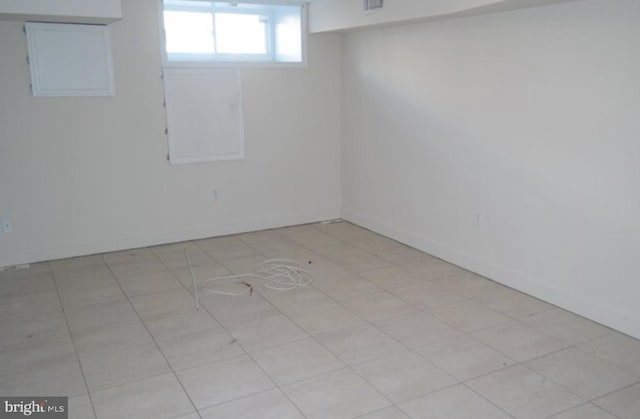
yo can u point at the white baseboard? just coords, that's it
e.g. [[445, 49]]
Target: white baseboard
[[81, 249], [520, 281]]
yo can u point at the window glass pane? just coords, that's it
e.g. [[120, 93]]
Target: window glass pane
[[288, 34], [189, 32], [239, 33]]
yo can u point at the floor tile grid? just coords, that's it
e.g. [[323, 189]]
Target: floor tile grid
[[287, 396], [365, 320], [309, 337], [515, 318], [351, 367], [516, 363], [74, 345], [152, 336], [287, 316], [202, 307], [247, 353]]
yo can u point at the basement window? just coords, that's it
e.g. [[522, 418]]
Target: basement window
[[205, 33]]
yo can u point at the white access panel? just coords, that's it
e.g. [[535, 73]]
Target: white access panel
[[204, 114], [70, 59]]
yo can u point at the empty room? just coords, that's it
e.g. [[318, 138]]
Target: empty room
[[323, 209]]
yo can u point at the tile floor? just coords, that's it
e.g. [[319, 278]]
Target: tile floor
[[384, 332]]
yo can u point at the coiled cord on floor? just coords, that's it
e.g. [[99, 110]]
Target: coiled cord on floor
[[274, 274]]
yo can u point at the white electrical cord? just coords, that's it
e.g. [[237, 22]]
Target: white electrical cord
[[274, 274]]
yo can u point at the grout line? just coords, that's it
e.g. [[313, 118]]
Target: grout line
[[73, 341], [312, 337]]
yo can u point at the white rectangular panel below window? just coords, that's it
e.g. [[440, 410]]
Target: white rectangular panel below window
[[204, 114]]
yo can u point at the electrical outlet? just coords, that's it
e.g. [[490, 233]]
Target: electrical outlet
[[7, 225]]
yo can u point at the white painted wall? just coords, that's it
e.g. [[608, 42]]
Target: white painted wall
[[528, 118], [84, 175], [74, 11], [344, 15]]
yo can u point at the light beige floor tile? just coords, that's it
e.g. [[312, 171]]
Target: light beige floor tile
[[129, 257], [309, 237], [138, 270], [297, 361], [456, 402], [434, 269], [202, 273], [376, 244], [617, 349], [149, 283], [115, 365], [157, 397], [390, 412], [297, 298], [586, 411], [339, 228], [28, 304], [80, 407], [428, 295], [33, 342], [323, 318], [33, 330], [86, 319], [270, 404], [378, 306], [337, 395], [162, 302], [87, 297], [84, 278], [221, 381], [283, 248], [233, 310], [60, 375], [566, 326], [404, 376], [513, 303], [260, 236], [180, 322], [351, 258], [187, 351], [393, 277], [36, 278], [471, 285], [225, 248], [127, 333], [524, 394], [344, 286], [417, 329], [583, 374], [520, 342], [360, 343], [402, 254], [243, 265], [465, 357], [468, 316], [174, 256], [624, 403], [77, 263], [266, 332]]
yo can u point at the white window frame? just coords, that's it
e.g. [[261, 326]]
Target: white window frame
[[239, 60]]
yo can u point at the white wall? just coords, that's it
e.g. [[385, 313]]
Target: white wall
[[83, 175], [529, 119], [339, 15]]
